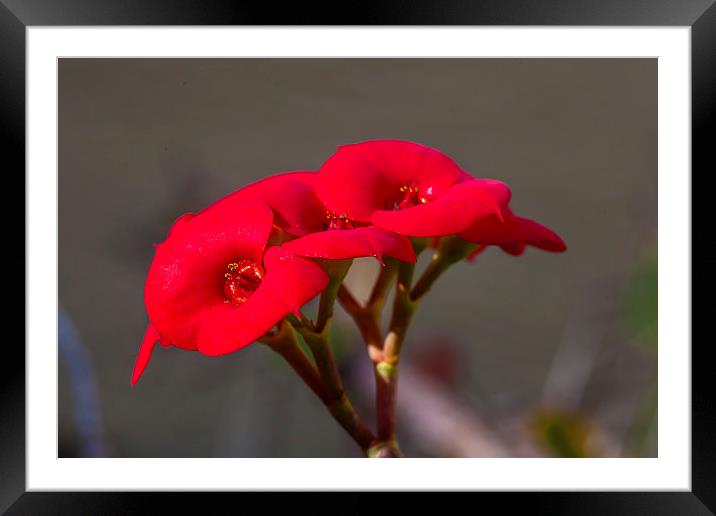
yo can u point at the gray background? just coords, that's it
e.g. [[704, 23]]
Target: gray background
[[143, 141]]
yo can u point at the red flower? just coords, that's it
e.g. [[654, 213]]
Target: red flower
[[353, 243], [299, 212], [407, 188], [214, 287], [292, 198], [512, 234]]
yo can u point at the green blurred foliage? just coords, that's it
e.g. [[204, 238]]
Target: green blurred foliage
[[642, 439], [564, 433], [640, 313], [641, 303]]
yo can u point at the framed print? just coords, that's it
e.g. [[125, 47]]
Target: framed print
[[258, 254]]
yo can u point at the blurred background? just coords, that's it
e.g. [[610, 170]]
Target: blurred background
[[541, 355]]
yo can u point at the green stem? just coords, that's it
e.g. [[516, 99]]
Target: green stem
[[367, 320], [403, 310], [432, 272], [339, 404], [386, 371], [300, 320], [336, 270], [324, 382], [450, 251], [325, 362], [285, 344], [382, 284], [385, 353], [348, 302]]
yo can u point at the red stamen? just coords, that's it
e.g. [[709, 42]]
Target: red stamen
[[338, 221], [409, 196], [243, 278]]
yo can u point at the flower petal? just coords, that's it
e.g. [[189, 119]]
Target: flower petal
[[364, 177], [458, 208], [297, 209], [145, 353], [513, 233], [514, 249], [289, 283], [343, 244], [186, 275], [473, 255]]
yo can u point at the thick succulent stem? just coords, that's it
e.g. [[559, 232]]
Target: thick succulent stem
[[325, 381], [450, 251], [284, 343], [386, 371], [337, 270], [407, 299], [368, 321]]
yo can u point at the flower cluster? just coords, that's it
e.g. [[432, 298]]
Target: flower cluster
[[226, 276]]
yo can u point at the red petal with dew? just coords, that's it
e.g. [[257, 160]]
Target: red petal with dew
[[297, 209], [145, 353], [458, 208], [513, 234], [187, 274], [343, 244], [289, 283], [364, 177]]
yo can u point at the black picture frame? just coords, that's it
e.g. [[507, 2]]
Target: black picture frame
[[17, 15]]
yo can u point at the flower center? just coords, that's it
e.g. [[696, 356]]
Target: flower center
[[334, 221], [242, 278], [410, 196]]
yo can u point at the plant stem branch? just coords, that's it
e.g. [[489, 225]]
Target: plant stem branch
[[382, 284], [450, 251], [299, 320], [349, 303], [285, 344], [386, 371], [324, 382], [337, 270], [368, 321], [325, 362], [339, 404]]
